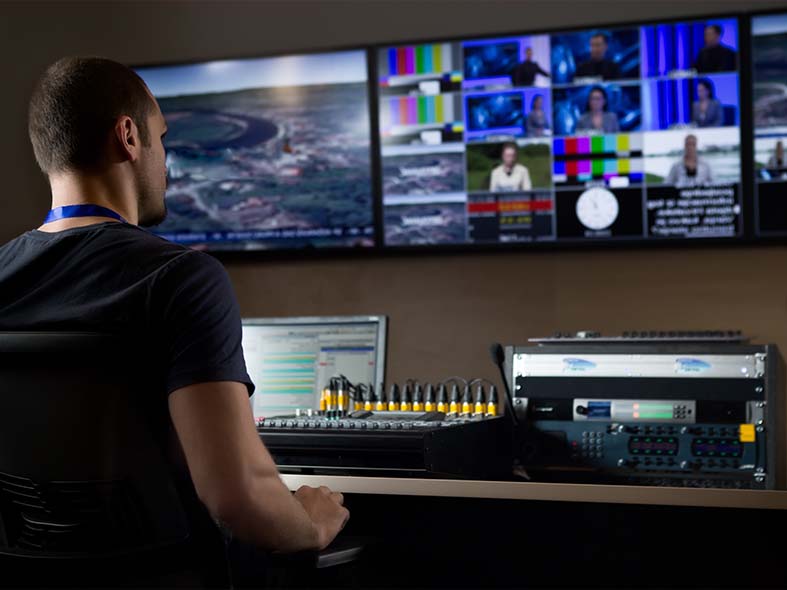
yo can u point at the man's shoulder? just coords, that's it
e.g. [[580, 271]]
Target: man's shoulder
[[148, 248]]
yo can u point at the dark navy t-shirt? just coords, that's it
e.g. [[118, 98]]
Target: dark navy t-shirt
[[118, 278], [176, 305]]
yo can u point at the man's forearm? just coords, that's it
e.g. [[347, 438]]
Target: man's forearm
[[268, 516]]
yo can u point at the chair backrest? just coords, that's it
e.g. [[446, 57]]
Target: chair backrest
[[83, 468]]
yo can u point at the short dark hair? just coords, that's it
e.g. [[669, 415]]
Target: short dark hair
[[708, 86], [600, 34], [74, 106], [716, 28]]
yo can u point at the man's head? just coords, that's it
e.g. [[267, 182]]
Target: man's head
[[529, 54], [509, 154], [712, 35], [90, 116], [598, 46], [690, 146]]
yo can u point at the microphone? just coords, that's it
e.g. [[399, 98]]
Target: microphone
[[498, 357]]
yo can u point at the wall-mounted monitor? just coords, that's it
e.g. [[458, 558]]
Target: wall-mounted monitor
[[611, 133], [270, 153], [769, 75]]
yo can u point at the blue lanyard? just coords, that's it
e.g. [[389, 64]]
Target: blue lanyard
[[69, 211]]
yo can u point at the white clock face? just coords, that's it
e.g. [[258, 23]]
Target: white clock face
[[597, 208]]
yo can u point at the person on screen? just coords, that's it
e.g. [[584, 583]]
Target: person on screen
[[525, 73], [510, 175], [537, 120], [706, 110], [776, 161], [597, 118], [690, 170], [714, 57], [598, 66]]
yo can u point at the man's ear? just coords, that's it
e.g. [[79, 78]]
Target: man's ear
[[127, 138]]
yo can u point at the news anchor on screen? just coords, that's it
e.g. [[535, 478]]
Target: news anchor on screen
[[715, 56], [690, 170], [776, 161], [525, 73], [597, 118], [706, 110], [598, 66], [537, 121], [510, 175]]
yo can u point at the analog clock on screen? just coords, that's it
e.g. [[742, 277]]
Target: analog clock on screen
[[597, 208]]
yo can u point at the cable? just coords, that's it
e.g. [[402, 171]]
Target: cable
[[454, 379], [498, 357]]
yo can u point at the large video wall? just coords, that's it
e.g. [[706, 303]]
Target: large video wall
[[626, 133]]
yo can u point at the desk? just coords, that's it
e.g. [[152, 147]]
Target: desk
[[553, 492], [483, 534]]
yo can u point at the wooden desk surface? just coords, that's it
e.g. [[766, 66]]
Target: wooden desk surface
[[555, 492]]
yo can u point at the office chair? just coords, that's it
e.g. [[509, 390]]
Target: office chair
[[89, 495]]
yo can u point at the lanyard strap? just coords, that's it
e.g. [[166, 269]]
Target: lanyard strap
[[69, 211]]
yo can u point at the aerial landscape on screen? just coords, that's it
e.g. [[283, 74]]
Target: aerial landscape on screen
[[268, 153]]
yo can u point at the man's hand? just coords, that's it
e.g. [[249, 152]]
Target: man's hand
[[326, 510], [236, 478]]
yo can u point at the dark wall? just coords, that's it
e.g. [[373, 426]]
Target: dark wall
[[444, 310]]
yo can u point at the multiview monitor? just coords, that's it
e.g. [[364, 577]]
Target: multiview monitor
[[769, 76], [612, 133], [270, 153], [291, 360]]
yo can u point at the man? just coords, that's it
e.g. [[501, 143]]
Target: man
[[510, 175], [714, 57], [97, 134], [525, 73], [598, 66]]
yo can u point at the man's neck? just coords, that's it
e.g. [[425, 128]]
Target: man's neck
[[83, 189]]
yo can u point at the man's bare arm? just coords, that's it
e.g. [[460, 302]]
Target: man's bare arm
[[236, 478]]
